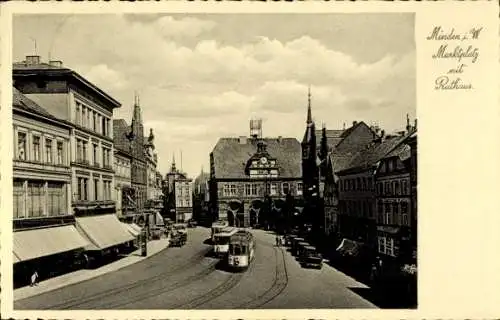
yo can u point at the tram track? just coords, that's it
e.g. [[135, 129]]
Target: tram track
[[166, 288], [279, 284], [76, 301]]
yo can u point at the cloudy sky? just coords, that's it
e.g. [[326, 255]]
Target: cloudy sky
[[201, 77]]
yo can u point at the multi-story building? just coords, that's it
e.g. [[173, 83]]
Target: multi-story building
[[73, 99], [123, 182], [342, 146], [358, 209], [412, 142], [179, 195], [255, 180], [131, 139], [151, 164], [43, 220]]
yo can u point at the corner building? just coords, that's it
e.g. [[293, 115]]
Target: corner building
[[89, 111]]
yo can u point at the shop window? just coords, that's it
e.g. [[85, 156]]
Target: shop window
[[56, 199], [36, 198], [274, 189], [19, 200], [299, 188]]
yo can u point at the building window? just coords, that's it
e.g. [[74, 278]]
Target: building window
[[56, 202], [94, 121], [395, 211], [389, 246], [104, 127], [232, 190], [253, 190], [60, 150], [370, 183], [286, 188], [94, 154], [84, 117], [299, 188], [404, 190], [36, 198], [387, 214], [48, 150], [247, 189], [363, 184], [19, 200], [82, 189], [77, 114], [21, 146], [36, 148], [396, 188], [96, 189], [404, 214], [84, 151], [274, 189]]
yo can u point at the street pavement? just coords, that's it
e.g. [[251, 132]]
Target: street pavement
[[190, 278]]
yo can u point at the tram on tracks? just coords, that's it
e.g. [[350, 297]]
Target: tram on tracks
[[241, 250], [217, 227], [221, 241]]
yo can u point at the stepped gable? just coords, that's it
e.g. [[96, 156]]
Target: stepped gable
[[21, 102], [231, 156], [120, 131]]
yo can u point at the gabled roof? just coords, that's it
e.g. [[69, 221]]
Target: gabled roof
[[230, 156], [403, 151], [374, 153], [120, 131]]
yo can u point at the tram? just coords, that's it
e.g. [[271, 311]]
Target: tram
[[221, 241], [217, 227], [241, 250]]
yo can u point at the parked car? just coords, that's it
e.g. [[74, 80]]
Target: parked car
[[192, 224], [178, 239], [311, 258]]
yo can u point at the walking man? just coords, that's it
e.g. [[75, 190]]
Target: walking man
[[277, 241], [34, 279]]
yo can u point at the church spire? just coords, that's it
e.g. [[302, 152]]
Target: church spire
[[137, 117], [309, 113]]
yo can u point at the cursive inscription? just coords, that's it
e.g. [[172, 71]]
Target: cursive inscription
[[458, 48]]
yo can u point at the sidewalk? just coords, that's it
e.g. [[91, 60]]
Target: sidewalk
[[154, 247]]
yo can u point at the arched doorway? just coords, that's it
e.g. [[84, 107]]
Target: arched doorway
[[234, 213], [254, 212]]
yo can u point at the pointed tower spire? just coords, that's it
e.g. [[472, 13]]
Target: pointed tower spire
[[309, 113]]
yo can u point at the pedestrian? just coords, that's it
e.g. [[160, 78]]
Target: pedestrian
[[277, 241], [34, 279]]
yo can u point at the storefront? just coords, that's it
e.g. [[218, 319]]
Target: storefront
[[105, 234], [47, 251]]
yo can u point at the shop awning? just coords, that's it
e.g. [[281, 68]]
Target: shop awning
[[130, 229], [31, 244], [135, 227], [103, 231]]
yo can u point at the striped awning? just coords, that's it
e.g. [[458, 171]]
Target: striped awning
[[103, 231], [36, 243]]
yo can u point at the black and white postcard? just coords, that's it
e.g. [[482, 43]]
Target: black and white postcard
[[249, 160]]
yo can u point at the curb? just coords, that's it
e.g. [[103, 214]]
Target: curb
[[94, 276]]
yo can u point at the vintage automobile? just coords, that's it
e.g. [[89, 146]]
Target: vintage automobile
[[178, 239], [311, 258]]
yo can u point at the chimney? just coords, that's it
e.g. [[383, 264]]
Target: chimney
[[243, 140], [354, 123], [415, 127], [55, 63], [32, 60]]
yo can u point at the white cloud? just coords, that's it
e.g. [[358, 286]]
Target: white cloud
[[193, 94]]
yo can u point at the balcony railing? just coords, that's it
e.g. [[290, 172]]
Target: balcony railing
[[82, 162]]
